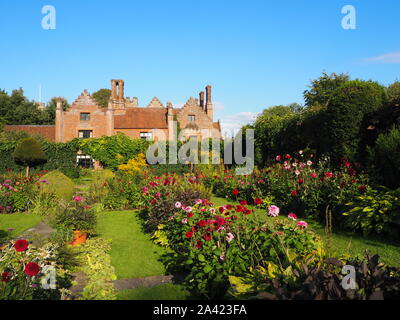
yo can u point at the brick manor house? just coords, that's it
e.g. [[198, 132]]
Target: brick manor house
[[86, 119]]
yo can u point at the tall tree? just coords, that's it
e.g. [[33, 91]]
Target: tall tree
[[102, 96], [321, 89]]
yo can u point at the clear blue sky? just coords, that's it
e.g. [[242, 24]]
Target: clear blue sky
[[254, 53]]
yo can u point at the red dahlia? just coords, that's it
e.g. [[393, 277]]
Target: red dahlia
[[243, 202], [294, 193], [21, 245], [257, 201], [207, 236], [32, 269], [189, 234], [235, 192], [5, 277]]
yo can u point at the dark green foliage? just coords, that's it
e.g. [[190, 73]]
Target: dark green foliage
[[102, 96], [385, 157], [345, 114], [393, 92], [322, 89], [374, 282], [17, 109], [29, 153]]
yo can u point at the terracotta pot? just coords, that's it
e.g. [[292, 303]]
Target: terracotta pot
[[79, 237]]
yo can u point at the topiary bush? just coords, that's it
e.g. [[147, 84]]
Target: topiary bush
[[29, 153]]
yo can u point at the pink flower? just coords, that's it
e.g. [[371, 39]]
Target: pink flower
[[184, 220], [278, 158], [178, 205], [145, 190], [309, 163], [198, 201], [188, 209], [328, 174], [229, 237], [292, 216], [302, 224], [157, 195], [273, 211], [77, 199], [212, 210]]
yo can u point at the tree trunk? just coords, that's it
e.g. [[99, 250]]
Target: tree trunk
[[27, 172]]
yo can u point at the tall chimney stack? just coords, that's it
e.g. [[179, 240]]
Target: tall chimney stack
[[209, 106], [201, 98]]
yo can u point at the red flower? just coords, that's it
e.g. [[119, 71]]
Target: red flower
[[194, 229], [362, 189], [202, 223], [247, 211], [243, 202], [313, 175], [207, 236], [190, 214], [257, 201], [32, 269], [229, 207], [294, 193], [235, 192], [221, 221], [199, 244], [328, 174], [300, 181], [278, 158], [189, 234], [5, 277], [346, 164], [21, 245], [239, 208], [287, 156], [221, 209]]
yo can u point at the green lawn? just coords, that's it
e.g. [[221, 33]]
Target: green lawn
[[133, 254], [19, 222], [164, 292], [347, 242]]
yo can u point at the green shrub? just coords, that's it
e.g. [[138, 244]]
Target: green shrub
[[96, 264], [345, 114], [374, 211], [29, 153], [59, 184], [385, 157]]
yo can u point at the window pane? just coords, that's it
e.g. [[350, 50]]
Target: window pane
[[85, 116]]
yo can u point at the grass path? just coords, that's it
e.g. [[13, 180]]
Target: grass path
[[133, 254], [19, 222], [347, 242]]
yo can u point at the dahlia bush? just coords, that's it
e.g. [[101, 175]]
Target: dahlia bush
[[213, 243], [29, 272]]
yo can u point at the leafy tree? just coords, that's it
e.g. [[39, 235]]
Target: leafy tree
[[322, 89], [345, 114], [50, 110], [102, 96], [393, 92], [29, 153]]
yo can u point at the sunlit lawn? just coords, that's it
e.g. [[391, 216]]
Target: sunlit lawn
[[133, 253], [15, 224]]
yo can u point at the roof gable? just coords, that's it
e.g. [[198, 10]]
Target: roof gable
[[85, 99]]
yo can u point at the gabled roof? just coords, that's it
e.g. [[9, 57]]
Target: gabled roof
[[142, 118], [85, 99], [155, 103]]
